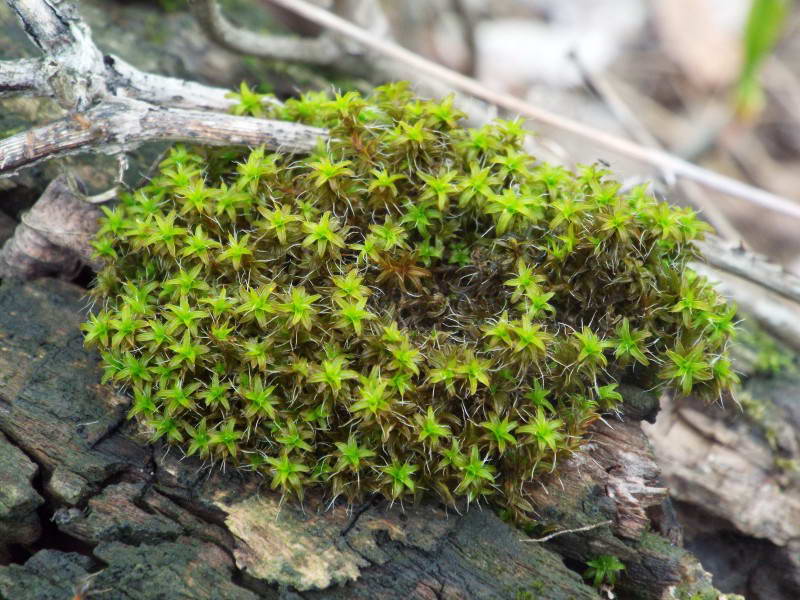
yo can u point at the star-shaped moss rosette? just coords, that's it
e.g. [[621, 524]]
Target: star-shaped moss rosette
[[414, 307]]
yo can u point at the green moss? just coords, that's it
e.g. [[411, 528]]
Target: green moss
[[412, 308], [603, 570], [771, 357], [656, 544], [172, 5]]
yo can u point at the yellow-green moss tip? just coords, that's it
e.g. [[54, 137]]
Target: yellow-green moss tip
[[413, 308]]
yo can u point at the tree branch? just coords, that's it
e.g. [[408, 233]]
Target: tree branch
[[120, 124], [115, 107], [23, 76], [128, 81], [53, 29], [74, 67], [757, 269], [322, 50]]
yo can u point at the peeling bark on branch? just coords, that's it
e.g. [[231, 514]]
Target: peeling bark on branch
[[24, 76], [115, 107], [119, 125]]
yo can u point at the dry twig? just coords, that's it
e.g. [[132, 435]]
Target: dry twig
[[341, 51], [113, 106], [653, 156], [564, 531], [322, 50], [120, 124], [739, 261], [606, 91]]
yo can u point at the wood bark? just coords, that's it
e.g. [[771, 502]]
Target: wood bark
[[733, 471]]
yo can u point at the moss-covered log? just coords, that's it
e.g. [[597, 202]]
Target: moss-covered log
[[146, 523]]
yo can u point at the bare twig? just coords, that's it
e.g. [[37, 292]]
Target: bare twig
[[113, 106], [74, 67], [657, 158], [322, 50], [340, 51], [129, 81], [118, 125], [565, 531], [776, 315], [33, 77], [743, 263], [23, 76], [716, 217]]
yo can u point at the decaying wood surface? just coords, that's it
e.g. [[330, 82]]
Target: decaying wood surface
[[734, 472], [53, 238], [83, 493]]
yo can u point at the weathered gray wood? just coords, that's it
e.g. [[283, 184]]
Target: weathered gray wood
[[119, 125], [734, 470], [111, 103], [53, 238], [19, 523]]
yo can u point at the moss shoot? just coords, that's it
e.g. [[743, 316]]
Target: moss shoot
[[414, 307]]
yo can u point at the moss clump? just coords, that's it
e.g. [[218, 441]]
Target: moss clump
[[413, 307]]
